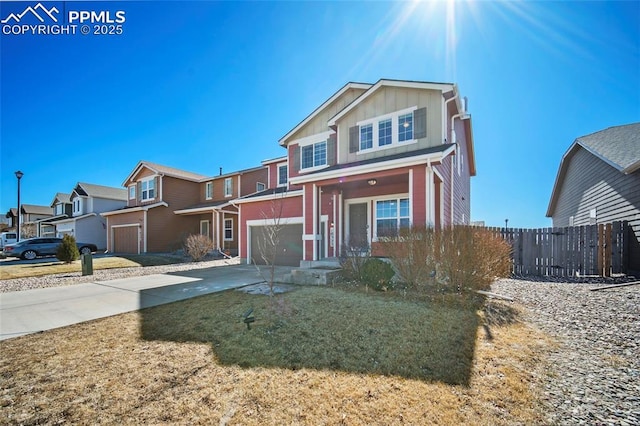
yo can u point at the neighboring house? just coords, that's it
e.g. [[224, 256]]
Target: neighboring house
[[87, 202], [598, 181], [62, 209], [371, 159], [11, 217], [147, 223], [29, 216], [214, 210]]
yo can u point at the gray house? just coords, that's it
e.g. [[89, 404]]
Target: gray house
[[599, 182], [87, 202]]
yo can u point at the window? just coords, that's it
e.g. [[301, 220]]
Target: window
[[391, 215], [405, 127], [388, 130], [148, 189], [59, 209], [385, 134], [314, 155], [208, 190], [228, 229], [228, 187], [77, 205], [204, 228], [260, 186], [366, 136], [282, 175], [132, 192]]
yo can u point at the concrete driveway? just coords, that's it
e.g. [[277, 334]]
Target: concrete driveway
[[32, 311]]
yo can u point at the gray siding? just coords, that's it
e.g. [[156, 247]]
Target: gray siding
[[589, 184]]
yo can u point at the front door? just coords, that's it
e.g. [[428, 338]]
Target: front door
[[358, 226]]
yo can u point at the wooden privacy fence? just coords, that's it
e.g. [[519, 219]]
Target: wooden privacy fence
[[570, 251]]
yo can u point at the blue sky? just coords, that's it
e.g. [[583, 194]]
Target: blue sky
[[203, 85]]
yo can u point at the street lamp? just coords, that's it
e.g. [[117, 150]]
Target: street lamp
[[506, 223], [19, 175]]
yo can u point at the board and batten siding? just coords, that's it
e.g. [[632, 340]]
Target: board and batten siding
[[318, 124], [386, 101], [590, 183]]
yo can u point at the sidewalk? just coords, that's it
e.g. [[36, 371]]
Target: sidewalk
[[32, 311]]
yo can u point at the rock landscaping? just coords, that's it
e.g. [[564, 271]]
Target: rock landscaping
[[594, 371]]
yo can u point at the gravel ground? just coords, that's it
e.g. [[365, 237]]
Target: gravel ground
[[594, 371], [19, 284]]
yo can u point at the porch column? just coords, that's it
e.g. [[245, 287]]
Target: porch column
[[418, 191], [308, 230]]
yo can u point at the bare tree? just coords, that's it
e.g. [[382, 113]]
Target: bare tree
[[269, 242]]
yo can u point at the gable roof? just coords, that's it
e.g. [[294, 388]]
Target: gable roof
[[315, 112], [159, 169], [617, 146], [99, 191], [235, 173], [61, 198], [35, 209], [391, 83]]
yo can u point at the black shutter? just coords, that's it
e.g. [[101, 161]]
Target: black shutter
[[296, 158], [354, 140], [332, 143], [420, 123]]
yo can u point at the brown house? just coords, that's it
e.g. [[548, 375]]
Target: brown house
[[148, 222], [215, 212]]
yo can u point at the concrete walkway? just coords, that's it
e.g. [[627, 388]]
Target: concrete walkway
[[32, 311]]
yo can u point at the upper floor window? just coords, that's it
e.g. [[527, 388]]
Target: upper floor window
[[208, 190], [148, 189], [228, 187], [405, 127], [77, 205], [282, 174], [386, 131], [366, 136], [132, 192], [260, 186], [385, 134], [59, 209], [314, 155]]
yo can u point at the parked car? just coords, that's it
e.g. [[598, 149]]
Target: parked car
[[7, 238], [34, 247]]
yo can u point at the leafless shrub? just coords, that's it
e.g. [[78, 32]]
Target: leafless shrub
[[455, 259], [352, 259], [197, 246]]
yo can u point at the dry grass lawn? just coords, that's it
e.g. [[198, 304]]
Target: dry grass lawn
[[22, 270], [194, 362]]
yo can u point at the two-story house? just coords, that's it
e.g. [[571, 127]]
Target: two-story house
[[87, 202], [370, 160], [148, 223], [215, 212], [62, 209]]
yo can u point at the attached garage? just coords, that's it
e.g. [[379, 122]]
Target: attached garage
[[126, 239], [288, 251]]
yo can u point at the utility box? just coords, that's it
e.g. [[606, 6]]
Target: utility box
[[86, 260]]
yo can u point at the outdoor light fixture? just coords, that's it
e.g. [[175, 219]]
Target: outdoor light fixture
[[19, 175], [372, 182]]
